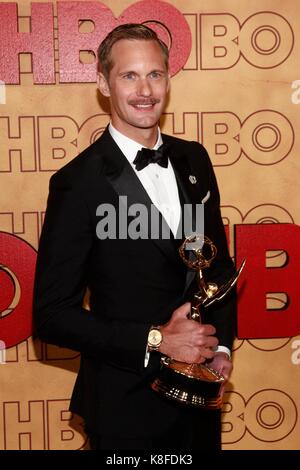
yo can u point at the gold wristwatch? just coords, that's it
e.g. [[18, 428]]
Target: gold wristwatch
[[155, 338]]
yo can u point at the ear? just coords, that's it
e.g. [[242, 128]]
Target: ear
[[103, 85]]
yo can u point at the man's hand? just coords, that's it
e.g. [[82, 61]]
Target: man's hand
[[187, 340], [222, 364]]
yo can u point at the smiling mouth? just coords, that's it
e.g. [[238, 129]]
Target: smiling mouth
[[142, 106]]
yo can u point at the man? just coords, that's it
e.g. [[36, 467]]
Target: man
[[136, 285]]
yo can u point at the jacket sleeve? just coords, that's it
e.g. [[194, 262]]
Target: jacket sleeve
[[61, 281]]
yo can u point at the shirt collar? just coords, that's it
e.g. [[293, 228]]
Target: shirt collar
[[128, 146]]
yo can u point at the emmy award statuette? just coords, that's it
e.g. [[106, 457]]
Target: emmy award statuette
[[196, 384]]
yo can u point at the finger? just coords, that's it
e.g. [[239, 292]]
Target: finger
[[226, 371], [183, 310], [207, 353], [207, 329], [207, 341], [201, 359], [211, 342]]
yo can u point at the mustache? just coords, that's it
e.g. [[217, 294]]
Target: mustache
[[148, 101]]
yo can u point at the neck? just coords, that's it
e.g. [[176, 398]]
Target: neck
[[145, 137]]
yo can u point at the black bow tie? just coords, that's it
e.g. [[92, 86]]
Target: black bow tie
[[146, 156]]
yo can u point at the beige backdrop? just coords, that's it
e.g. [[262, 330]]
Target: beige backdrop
[[238, 95]]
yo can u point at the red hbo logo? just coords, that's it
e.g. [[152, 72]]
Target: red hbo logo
[[17, 266]]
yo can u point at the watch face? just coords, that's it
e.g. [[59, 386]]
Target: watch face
[[155, 337]]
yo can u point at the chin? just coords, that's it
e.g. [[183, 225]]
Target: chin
[[147, 123]]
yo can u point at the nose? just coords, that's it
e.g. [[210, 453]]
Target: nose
[[144, 87]]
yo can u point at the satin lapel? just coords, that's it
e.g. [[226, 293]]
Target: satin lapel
[[125, 182]]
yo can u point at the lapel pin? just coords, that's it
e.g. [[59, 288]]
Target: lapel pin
[[193, 179]]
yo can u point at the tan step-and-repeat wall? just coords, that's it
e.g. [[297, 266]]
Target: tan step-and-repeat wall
[[236, 89]]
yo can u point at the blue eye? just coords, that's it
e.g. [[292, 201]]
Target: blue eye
[[129, 76]]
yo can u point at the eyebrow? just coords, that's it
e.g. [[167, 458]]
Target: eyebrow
[[133, 71]]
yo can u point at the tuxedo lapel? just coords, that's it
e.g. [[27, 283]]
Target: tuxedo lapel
[[190, 191], [125, 182], [188, 183]]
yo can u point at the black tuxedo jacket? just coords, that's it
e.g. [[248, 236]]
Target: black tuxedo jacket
[[133, 284]]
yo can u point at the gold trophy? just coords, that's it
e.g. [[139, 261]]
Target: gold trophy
[[196, 384]]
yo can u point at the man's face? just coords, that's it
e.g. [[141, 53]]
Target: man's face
[[137, 86]]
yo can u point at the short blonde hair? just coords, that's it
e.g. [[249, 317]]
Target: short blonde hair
[[131, 31]]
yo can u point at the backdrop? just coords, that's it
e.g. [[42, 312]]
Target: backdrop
[[235, 89]]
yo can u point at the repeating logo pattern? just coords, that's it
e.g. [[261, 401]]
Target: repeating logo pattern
[[234, 90]]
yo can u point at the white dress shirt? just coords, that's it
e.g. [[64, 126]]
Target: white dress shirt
[[160, 184]]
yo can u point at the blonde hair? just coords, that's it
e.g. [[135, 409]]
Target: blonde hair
[[130, 31]]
